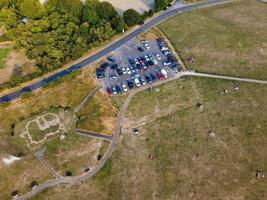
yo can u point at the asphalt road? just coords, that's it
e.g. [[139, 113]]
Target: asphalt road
[[176, 8], [115, 137], [94, 135]]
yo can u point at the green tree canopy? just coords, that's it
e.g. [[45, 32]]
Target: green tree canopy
[[132, 17], [105, 10], [31, 8], [72, 7], [89, 13], [161, 4]]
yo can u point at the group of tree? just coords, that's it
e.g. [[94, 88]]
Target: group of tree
[[161, 4], [62, 30]]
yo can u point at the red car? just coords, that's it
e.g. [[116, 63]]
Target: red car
[[160, 76], [109, 91]]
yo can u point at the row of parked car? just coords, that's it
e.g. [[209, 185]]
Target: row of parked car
[[137, 81], [170, 59]]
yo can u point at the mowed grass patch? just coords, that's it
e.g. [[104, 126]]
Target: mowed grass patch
[[3, 54], [75, 153], [99, 114], [227, 39]]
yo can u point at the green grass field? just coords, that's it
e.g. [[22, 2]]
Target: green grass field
[[228, 39], [3, 54]]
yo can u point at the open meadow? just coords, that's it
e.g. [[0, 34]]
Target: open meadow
[[228, 39]]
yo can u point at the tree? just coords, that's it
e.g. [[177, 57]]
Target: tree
[[161, 4], [72, 7], [132, 17], [89, 13], [31, 8], [8, 3], [118, 23], [105, 10]]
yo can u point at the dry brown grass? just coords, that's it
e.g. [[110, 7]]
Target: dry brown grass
[[99, 114]]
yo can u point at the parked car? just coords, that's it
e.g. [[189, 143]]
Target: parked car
[[113, 77], [104, 65], [153, 77], [146, 45], [144, 41], [124, 70], [140, 49], [114, 90], [146, 57], [166, 63], [109, 91], [100, 73], [111, 59], [164, 73], [130, 84], [118, 88], [137, 82], [128, 70], [142, 80], [159, 76], [113, 66], [158, 57], [124, 88], [119, 71], [148, 79]]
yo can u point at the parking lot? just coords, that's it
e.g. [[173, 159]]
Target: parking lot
[[136, 64]]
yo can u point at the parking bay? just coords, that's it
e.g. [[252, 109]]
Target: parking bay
[[136, 64]]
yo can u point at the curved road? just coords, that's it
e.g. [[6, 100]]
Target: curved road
[[177, 7], [115, 137]]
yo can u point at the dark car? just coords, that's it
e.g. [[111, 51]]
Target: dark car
[[118, 88], [148, 79], [104, 65], [160, 40], [131, 61], [109, 91], [150, 63], [111, 59], [140, 49], [113, 66], [141, 23], [100, 73], [130, 84], [119, 71], [153, 77]]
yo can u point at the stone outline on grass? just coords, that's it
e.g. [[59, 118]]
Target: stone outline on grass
[[47, 124]]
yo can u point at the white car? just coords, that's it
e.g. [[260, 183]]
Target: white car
[[124, 88], [146, 57], [143, 82], [164, 73], [144, 41], [113, 77], [124, 70], [137, 82], [146, 46], [158, 57], [128, 70]]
